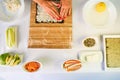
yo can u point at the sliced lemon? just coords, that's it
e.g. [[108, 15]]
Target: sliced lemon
[[100, 7]]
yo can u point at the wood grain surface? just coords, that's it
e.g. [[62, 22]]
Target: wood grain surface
[[49, 35]]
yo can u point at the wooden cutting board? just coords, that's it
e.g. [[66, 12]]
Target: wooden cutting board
[[49, 35]]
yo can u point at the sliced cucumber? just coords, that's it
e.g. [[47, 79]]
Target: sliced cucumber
[[11, 39]]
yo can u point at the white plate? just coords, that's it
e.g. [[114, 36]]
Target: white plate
[[105, 61], [7, 16], [112, 13], [94, 66], [83, 54]]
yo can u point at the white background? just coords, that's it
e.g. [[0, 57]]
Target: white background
[[80, 31]]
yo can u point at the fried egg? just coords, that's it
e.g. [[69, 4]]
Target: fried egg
[[97, 13]]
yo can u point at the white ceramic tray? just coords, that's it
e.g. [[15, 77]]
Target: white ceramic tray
[[105, 61]]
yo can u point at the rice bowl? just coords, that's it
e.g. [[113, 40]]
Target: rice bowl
[[7, 15]]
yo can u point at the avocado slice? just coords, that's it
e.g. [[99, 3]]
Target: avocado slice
[[16, 60], [9, 60], [13, 60], [3, 58]]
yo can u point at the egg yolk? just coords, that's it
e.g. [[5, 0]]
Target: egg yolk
[[101, 7]]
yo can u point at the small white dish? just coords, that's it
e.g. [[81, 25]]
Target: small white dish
[[96, 20], [95, 46], [96, 57], [86, 40], [91, 66], [40, 66], [7, 16]]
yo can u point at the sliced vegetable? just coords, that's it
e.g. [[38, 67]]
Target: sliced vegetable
[[7, 58], [10, 59], [3, 58], [13, 60], [11, 35], [16, 62]]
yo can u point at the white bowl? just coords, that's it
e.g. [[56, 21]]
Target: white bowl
[[32, 61], [83, 54], [111, 9], [7, 16]]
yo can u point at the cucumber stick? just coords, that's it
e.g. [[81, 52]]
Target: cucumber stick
[[11, 37]]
